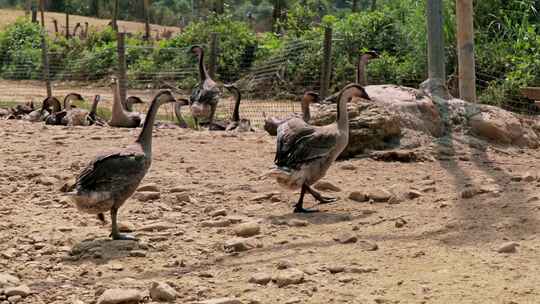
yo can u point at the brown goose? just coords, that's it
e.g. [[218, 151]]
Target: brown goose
[[111, 178], [120, 117], [178, 112], [76, 116], [130, 101], [361, 73], [304, 152], [236, 123], [271, 124], [205, 95]]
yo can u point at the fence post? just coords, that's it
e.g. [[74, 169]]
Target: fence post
[[465, 33], [45, 58], [44, 51], [114, 21], [327, 62], [122, 78], [213, 54], [67, 23], [435, 40], [147, 19]]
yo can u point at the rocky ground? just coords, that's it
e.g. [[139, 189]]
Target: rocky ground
[[459, 227]]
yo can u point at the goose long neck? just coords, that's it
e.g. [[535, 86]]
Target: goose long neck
[[361, 76], [306, 114], [93, 110], [117, 108], [236, 111], [145, 137], [342, 115], [203, 74]]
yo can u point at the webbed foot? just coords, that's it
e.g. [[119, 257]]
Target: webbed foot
[[299, 209]]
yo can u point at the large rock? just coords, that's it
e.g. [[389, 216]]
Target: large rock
[[288, 277], [371, 126], [162, 292]]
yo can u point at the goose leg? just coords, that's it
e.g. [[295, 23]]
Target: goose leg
[[115, 234], [319, 197], [299, 207]]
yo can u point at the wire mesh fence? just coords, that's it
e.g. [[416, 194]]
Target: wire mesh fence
[[270, 87]]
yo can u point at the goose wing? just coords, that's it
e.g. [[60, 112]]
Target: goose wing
[[299, 143], [113, 171]]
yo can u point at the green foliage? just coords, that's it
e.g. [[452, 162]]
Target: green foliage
[[20, 51]]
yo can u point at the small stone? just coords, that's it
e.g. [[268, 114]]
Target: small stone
[[516, 178], [327, 186], [137, 254], [8, 280], [297, 223], [284, 264], [179, 189], [14, 299], [146, 196], [346, 238], [162, 292], [358, 196], [289, 277], [367, 245], [361, 270], [116, 266], [529, 177], [510, 247], [125, 227], [412, 194], [148, 188], [183, 197], [247, 229], [379, 195], [236, 245], [157, 227], [221, 301], [350, 167], [400, 223], [220, 212], [260, 278], [47, 181], [469, 192], [22, 291], [336, 269], [120, 296]]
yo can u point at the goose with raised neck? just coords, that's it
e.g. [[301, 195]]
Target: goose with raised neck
[[112, 177], [305, 153], [205, 96], [120, 117]]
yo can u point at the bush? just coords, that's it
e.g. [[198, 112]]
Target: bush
[[20, 51]]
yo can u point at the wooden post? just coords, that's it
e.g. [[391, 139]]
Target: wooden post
[[147, 19], [67, 20], [44, 51], [42, 10], [435, 40], [465, 33], [115, 15], [213, 54], [354, 7], [373, 5], [122, 69], [327, 62]]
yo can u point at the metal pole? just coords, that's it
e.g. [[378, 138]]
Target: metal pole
[[327, 62], [435, 40], [213, 54], [122, 77], [465, 33]]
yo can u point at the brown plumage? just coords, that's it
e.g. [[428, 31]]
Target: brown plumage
[[111, 178], [304, 153], [271, 124], [205, 95], [120, 117], [237, 124]]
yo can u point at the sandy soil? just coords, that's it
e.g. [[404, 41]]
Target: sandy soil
[[436, 248], [8, 16]]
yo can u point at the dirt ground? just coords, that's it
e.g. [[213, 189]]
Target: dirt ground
[[434, 248]]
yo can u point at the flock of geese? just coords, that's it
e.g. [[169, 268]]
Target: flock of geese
[[304, 152]]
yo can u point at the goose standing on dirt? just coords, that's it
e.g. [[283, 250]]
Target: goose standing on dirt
[[120, 117], [237, 124], [304, 153], [205, 95], [271, 124], [111, 178]]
